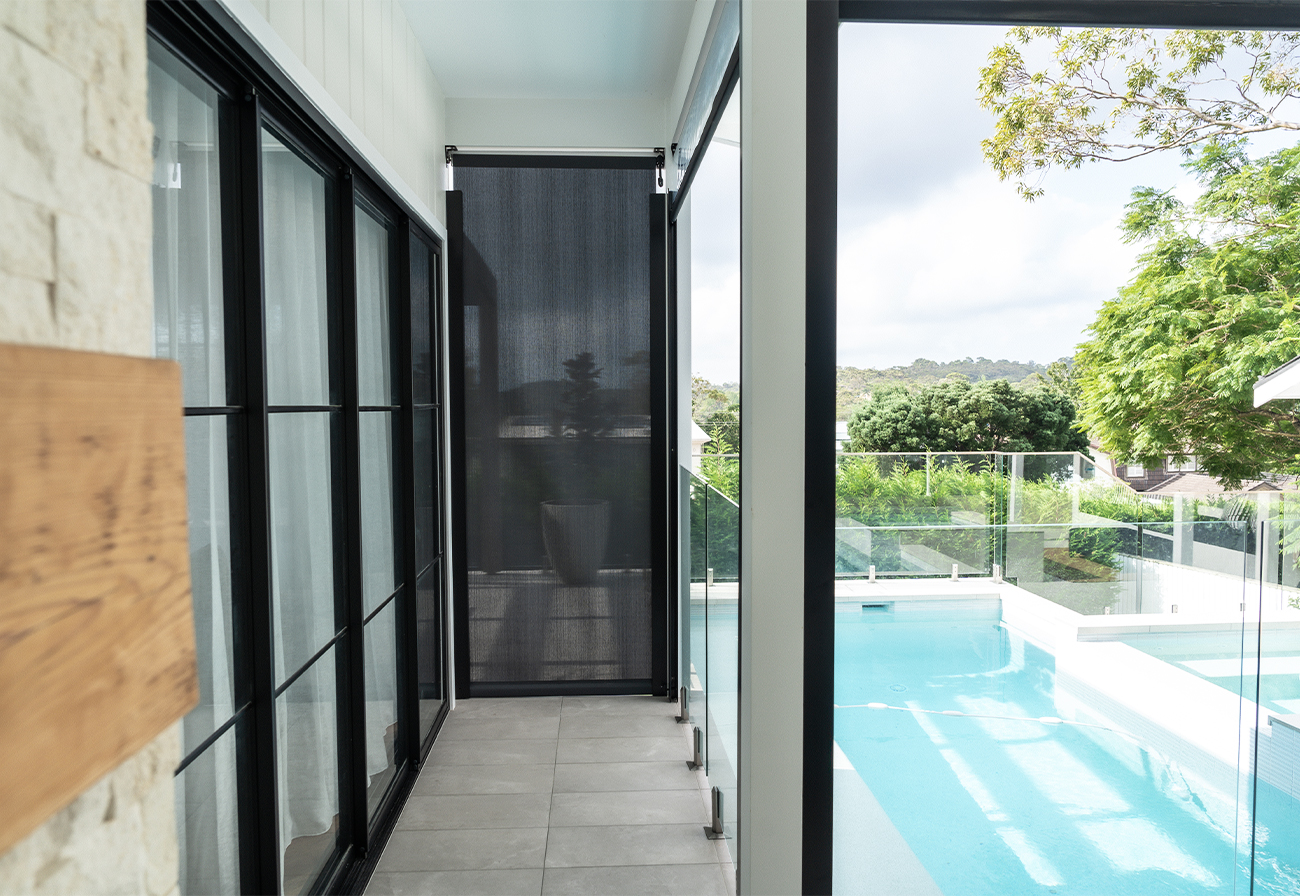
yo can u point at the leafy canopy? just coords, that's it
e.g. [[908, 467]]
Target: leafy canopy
[[1171, 363], [956, 415], [1121, 93]]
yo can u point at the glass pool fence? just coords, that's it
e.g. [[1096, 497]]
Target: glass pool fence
[[1049, 683]]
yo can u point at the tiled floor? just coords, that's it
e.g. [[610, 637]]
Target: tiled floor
[[552, 795]]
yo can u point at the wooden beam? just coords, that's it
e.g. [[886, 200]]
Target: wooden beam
[[96, 626]]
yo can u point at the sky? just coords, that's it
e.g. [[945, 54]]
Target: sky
[[938, 259]]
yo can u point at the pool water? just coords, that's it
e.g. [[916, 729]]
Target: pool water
[[1014, 805]]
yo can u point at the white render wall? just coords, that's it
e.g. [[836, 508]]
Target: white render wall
[[75, 233], [364, 54], [773, 123]]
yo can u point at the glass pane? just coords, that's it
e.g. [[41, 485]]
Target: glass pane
[[374, 328], [297, 302], [381, 704], [1271, 691], [378, 543], [722, 653], [189, 324], [306, 743], [302, 537], [1048, 678], [208, 488], [426, 517], [207, 819], [421, 330], [428, 645]]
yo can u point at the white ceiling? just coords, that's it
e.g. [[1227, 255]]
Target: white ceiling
[[552, 49]]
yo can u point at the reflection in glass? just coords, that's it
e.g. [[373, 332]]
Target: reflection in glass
[[374, 331], [426, 519], [188, 302], [378, 544], [421, 322], [207, 820], [208, 491], [428, 645], [297, 307], [381, 704], [302, 537], [306, 741]]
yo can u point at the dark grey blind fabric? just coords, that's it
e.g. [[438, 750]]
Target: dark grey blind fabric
[[558, 422]]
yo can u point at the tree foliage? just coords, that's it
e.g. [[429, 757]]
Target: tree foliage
[[1172, 361], [1121, 93], [957, 415]]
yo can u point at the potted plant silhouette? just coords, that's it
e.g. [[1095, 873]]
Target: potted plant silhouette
[[575, 529]]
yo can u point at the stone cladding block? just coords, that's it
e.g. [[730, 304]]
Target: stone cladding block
[[101, 275], [26, 238], [26, 311], [119, 837], [42, 115]]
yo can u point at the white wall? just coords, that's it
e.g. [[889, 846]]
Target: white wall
[[584, 123], [361, 58], [772, 127]]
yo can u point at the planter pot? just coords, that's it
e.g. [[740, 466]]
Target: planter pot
[[575, 534]]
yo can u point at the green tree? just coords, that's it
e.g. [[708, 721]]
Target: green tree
[[1120, 93], [957, 415], [1172, 361]]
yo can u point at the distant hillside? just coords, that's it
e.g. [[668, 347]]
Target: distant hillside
[[854, 384]]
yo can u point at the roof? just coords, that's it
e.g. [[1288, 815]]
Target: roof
[[1281, 383], [1201, 484]]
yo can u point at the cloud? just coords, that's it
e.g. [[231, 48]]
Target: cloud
[[977, 271]]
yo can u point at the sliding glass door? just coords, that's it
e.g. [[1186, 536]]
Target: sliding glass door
[[301, 301]]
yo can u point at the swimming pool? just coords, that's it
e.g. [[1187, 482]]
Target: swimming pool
[[948, 717]]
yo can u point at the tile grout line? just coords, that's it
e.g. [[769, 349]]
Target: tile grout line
[[550, 803]]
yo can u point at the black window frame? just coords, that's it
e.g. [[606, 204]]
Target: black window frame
[[253, 93], [820, 247]]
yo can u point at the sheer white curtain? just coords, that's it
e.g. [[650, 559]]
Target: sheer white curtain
[[378, 545], [188, 327], [302, 506]]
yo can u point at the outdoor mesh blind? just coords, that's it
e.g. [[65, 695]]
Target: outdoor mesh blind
[[558, 422]]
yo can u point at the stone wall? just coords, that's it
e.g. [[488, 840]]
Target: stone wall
[[75, 232]]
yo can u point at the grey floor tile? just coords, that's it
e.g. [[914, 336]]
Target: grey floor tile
[[440, 780], [638, 844], [507, 707], [479, 811], [593, 776], [627, 807], [526, 882], [464, 850], [538, 728], [635, 880], [590, 724], [623, 749], [502, 751], [648, 707]]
